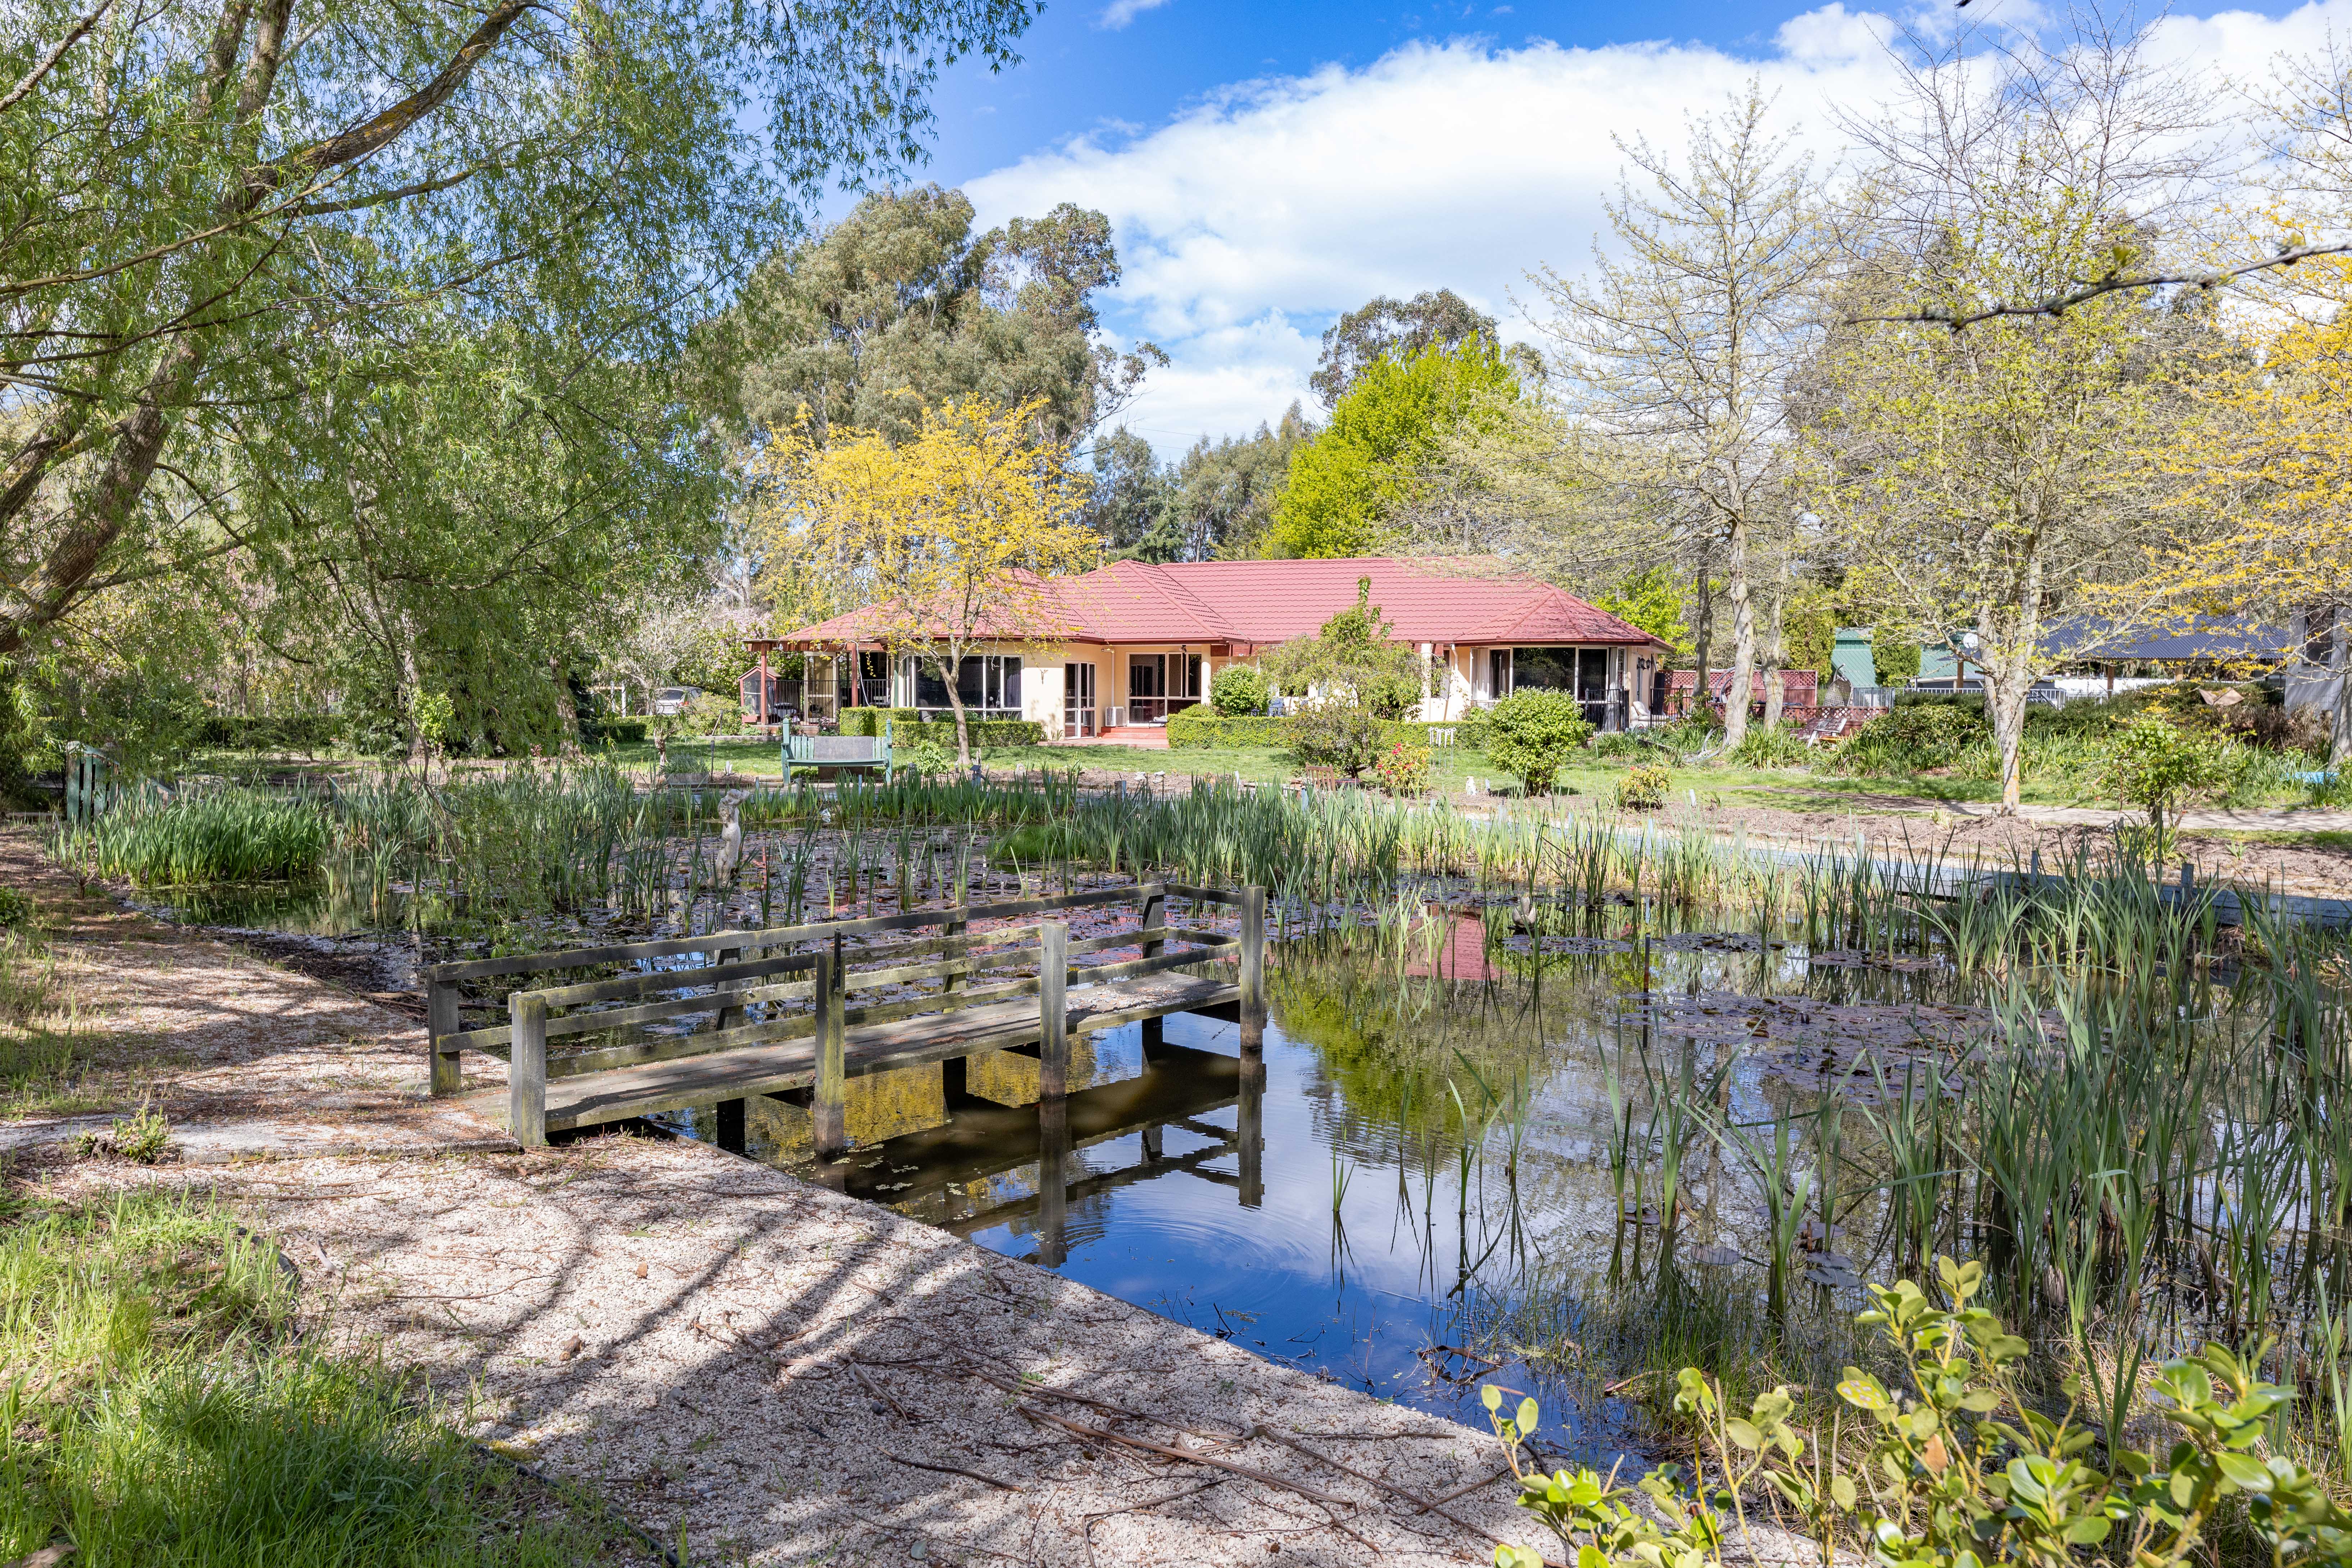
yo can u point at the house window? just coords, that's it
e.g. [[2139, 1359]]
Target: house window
[[986, 684], [1542, 670]]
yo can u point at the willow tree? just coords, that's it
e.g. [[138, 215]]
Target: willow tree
[[219, 216], [948, 541]]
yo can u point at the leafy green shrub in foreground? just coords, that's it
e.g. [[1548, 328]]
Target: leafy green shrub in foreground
[[1963, 1469], [225, 835]]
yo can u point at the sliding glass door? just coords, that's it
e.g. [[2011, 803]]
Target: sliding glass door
[[1079, 700], [1158, 684]]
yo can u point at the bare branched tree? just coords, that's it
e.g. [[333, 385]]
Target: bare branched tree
[[1677, 352]]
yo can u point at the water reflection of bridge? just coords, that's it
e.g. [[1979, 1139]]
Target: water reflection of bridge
[[983, 1139]]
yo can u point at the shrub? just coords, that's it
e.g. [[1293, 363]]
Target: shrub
[[1203, 727], [1533, 732], [1963, 1466], [1777, 747], [1472, 733], [1338, 734], [619, 732], [1643, 788], [1239, 690], [15, 909], [2158, 765], [1402, 769], [303, 732], [1912, 738]]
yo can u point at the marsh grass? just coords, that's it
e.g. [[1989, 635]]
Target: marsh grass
[[158, 839], [159, 1412]]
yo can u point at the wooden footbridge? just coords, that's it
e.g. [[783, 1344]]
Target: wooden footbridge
[[794, 1012]]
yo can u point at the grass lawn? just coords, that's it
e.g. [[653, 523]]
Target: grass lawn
[[1799, 789], [2341, 843], [162, 1414]]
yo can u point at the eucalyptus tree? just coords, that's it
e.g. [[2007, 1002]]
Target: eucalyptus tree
[[900, 305], [228, 224]]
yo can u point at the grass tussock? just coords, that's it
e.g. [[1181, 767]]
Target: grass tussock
[[157, 1409]]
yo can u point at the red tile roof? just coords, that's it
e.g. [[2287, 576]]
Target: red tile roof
[[1261, 603]]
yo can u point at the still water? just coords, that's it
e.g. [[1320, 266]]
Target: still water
[[1427, 1139]]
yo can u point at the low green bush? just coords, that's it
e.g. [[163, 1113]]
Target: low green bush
[[1912, 738], [2159, 766], [1203, 727], [910, 726], [1643, 787], [1965, 1466], [1771, 746], [1239, 690], [619, 732], [15, 909], [1532, 734]]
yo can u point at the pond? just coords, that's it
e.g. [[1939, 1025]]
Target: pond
[[1422, 1148], [1563, 1105]]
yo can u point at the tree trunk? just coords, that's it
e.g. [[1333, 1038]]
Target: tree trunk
[[2339, 740], [411, 692], [2005, 694], [100, 517], [1701, 636], [1743, 639], [947, 668], [567, 712], [1776, 650]]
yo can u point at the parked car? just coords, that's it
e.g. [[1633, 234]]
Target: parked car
[[671, 700]]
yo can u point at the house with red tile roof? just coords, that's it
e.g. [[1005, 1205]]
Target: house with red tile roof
[[1133, 642]]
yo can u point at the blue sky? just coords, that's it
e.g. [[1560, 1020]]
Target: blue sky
[[1266, 166]]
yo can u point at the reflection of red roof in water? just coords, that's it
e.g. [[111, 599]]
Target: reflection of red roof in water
[[1463, 955]]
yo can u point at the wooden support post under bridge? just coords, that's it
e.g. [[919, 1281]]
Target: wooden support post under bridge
[[831, 1107]]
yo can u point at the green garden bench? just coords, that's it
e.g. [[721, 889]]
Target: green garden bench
[[839, 752]]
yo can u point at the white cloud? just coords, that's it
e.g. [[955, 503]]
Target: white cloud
[[1246, 223], [1119, 13]]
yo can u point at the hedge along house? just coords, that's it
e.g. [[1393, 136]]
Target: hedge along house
[[1135, 642]]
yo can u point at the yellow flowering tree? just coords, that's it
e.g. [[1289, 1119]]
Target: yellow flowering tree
[[949, 539], [2262, 525]]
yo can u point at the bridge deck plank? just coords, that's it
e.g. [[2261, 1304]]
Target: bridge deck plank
[[621, 1092]]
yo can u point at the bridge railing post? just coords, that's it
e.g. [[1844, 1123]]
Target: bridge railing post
[[1155, 913], [526, 1069], [1052, 1010], [441, 1021], [830, 1106], [1253, 998]]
